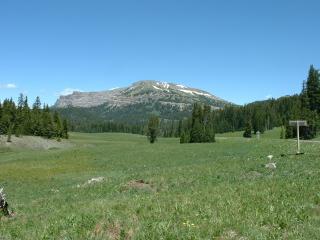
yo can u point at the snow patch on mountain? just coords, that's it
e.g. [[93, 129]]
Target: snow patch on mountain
[[157, 88], [181, 86], [195, 92], [114, 88], [163, 84]]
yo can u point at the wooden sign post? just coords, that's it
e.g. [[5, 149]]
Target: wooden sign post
[[298, 123]]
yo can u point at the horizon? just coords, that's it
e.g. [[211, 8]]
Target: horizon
[[67, 92], [240, 52]]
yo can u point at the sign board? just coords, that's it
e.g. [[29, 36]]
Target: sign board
[[300, 123]]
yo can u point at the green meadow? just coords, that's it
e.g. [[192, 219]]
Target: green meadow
[[164, 190]]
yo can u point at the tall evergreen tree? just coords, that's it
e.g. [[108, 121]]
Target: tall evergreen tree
[[58, 125], [283, 132], [65, 129], [185, 137], [197, 132], [153, 128], [9, 133], [37, 104], [313, 89], [248, 130]]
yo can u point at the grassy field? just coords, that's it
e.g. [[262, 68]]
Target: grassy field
[[162, 191], [272, 134]]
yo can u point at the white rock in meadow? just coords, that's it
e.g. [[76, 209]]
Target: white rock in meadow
[[271, 165], [95, 180], [270, 157], [91, 181]]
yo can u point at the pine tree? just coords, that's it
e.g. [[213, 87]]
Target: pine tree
[[47, 125], [153, 128], [197, 132], [37, 104], [36, 119], [197, 127], [26, 113], [1, 121], [209, 135], [9, 133], [283, 132], [289, 132], [65, 129], [304, 96], [20, 101], [248, 130], [185, 137], [18, 126], [58, 125], [179, 131], [313, 89]]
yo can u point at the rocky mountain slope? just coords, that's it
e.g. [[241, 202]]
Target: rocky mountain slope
[[136, 102], [141, 92]]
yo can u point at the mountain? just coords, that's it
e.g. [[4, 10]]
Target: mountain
[[136, 102]]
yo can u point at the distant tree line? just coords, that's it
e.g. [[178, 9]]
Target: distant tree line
[[106, 126], [20, 119], [260, 116], [166, 128]]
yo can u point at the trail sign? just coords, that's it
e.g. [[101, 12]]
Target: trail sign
[[298, 123]]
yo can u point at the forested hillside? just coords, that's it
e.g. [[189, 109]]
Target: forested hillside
[[124, 108]]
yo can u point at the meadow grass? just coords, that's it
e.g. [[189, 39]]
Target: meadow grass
[[189, 191], [273, 134]]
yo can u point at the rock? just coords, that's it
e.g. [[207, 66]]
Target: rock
[[270, 157], [4, 204], [95, 180], [91, 182], [271, 166]]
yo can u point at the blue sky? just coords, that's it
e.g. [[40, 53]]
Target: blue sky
[[239, 50]]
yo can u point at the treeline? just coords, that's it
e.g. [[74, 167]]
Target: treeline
[[167, 128], [20, 119], [106, 126], [260, 116], [265, 115]]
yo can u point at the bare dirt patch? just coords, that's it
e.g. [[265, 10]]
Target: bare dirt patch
[[113, 231], [139, 185], [231, 235], [32, 142]]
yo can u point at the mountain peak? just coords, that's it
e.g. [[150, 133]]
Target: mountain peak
[[144, 91]]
